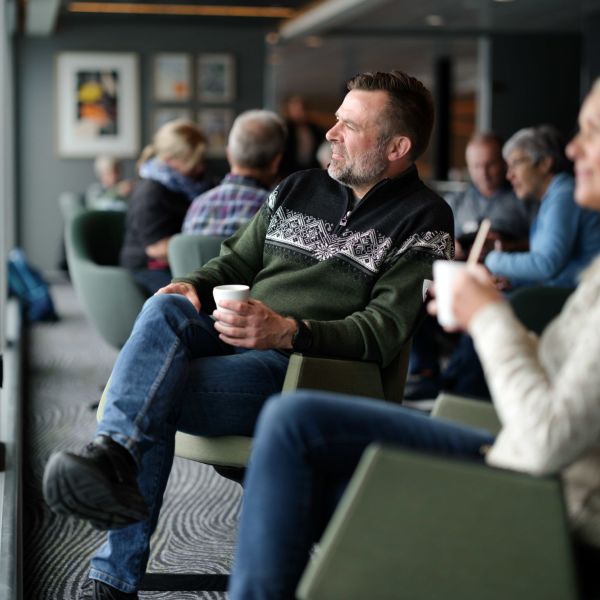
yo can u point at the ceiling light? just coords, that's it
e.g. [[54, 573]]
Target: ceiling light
[[276, 12], [313, 41], [434, 20]]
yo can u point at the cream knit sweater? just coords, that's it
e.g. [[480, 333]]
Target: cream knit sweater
[[547, 394]]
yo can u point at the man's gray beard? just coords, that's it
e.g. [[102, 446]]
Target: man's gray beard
[[368, 171]]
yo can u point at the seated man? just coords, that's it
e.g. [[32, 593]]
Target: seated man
[[254, 151], [489, 196], [546, 392], [335, 260]]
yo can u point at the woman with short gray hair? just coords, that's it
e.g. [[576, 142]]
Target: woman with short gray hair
[[564, 237]]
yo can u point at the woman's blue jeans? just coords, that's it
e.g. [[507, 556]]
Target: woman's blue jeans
[[174, 374], [306, 447]]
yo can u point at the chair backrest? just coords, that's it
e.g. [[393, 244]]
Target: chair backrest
[[188, 251], [536, 306], [109, 296], [419, 526]]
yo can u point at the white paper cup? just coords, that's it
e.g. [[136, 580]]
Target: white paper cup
[[444, 276], [230, 292]]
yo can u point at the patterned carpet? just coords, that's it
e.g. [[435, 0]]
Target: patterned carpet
[[69, 363]]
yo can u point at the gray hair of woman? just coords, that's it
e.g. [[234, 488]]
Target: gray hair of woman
[[543, 141], [256, 138]]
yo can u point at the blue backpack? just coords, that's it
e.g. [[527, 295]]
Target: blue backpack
[[29, 287]]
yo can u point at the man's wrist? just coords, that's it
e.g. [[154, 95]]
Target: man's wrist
[[302, 338]]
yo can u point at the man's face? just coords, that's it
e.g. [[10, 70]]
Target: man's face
[[486, 167], [358, 159]]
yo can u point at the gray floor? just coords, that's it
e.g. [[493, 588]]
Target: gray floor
[[69, 363]]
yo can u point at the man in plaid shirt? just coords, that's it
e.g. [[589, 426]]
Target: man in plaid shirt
[[254, 150]]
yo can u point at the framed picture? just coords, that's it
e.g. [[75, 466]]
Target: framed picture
[[172, 77], [98, 106], [168, 113], [216, 123], [216, 77]]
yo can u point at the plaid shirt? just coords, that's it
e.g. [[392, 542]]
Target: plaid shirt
[[225, 208]]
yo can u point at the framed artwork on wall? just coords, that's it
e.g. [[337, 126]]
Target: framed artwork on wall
[[216, 123], [97, 99], [165, 114], [172, 77], [216, 78]]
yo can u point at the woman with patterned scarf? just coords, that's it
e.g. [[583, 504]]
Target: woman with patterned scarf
[[172, 174]]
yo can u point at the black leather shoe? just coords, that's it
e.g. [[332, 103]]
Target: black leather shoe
[[98, 485], [93, 589]]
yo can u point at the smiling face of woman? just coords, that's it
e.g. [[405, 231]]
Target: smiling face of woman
[[584, 151]]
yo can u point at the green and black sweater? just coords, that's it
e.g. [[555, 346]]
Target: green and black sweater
[[355, 274]]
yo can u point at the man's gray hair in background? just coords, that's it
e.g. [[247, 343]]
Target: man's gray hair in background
[[256, 138]]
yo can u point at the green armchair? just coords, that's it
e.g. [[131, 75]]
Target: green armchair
[[188, 251], [109, 296], [418, 526]]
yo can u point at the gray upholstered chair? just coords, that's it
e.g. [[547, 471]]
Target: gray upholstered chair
[[189, 251], [109, 296], [418, 526]]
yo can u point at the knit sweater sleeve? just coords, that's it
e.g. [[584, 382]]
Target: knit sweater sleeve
[[238, 262], [549, 409]]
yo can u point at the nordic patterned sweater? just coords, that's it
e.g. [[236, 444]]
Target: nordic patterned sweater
[[355, 274]]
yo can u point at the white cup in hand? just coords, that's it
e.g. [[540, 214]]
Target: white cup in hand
[[444, 276], [230, 292]]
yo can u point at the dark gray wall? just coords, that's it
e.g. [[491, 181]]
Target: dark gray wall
[[591, 61], [535, 79], [42, 174]]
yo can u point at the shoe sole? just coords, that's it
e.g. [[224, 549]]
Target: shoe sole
[[74, 488]]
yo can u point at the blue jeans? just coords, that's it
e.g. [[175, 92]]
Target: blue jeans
[[306, 447], [174, 374]]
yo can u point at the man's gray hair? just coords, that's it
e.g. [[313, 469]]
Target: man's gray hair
[[538, 143], [256, 138]]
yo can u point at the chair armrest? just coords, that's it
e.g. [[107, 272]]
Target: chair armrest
[[422, 526], [475, 413], [355, 377]]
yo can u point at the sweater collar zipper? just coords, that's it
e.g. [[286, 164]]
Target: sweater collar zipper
[[352, 207]]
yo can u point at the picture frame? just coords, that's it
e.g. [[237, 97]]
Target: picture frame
[[172, 77], [216, 78], [216, 124], [97, 96], [164, 114]]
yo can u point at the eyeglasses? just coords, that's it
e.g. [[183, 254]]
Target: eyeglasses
[[513, 164]]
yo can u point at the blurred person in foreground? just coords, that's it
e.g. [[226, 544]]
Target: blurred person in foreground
[[254, 149], [546, 391], [172, 174]]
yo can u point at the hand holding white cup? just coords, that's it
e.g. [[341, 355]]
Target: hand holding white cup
[[238, 292]]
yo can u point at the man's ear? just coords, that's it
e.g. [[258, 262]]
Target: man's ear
[[399, 147]]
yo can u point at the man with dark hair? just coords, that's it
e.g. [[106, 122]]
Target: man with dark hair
[[254, 150], [336, 262]]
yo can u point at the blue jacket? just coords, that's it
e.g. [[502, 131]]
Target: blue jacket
[[563, 240]]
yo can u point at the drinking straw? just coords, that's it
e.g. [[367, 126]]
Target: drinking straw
[[477, 246]]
